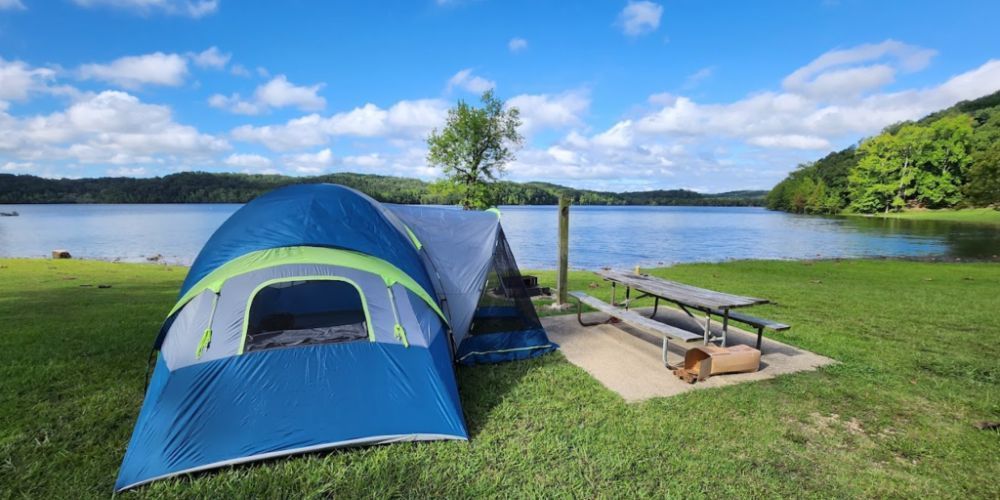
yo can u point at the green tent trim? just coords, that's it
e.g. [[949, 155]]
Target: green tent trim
[[263, 259]]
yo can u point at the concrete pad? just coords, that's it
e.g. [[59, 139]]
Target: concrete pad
[[629, 361]]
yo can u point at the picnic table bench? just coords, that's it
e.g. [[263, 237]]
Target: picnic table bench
[[633, 318], [686, 297]]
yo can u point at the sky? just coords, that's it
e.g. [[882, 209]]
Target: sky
[[613, 95]]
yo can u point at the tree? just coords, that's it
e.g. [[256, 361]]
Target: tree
[[983, 187], [877, 179], [943, 162], [474, 147]]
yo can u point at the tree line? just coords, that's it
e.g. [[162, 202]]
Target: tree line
[[203, 187], [948, 159]]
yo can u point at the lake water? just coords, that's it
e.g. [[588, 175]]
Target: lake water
[[599, 236]]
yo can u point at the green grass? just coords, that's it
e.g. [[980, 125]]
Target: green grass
[[975, 215], [917, 345]]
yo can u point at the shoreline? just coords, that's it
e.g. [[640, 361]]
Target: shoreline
[[942, 259]]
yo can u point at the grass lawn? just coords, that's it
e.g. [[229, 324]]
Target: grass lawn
[[917, 344], [977, 215]]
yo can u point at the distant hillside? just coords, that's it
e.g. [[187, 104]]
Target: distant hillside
[[950, 158], [201, 187]]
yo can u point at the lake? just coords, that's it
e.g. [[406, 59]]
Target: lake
[[599, 236]]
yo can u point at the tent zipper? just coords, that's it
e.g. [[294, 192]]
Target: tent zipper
[[206, 336], [397, 329]]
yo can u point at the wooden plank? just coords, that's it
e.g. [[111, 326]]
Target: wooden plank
[[754, 321], [636, 319], [679, 292]]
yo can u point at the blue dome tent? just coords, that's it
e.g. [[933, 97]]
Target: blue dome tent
[[316, 317]]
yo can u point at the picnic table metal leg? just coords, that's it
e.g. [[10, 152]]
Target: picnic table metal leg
[[579, 317], [760, 333], [656, 305], [628, 296], [725, 326], [665, 363], [614, 288], [708, 327]]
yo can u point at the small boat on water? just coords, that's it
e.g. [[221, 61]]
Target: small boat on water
[[9, 214]]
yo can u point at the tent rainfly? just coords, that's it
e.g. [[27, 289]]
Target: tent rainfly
[[316, 317]]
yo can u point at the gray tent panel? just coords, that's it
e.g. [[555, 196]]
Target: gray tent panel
[[230, 312], [460, 246], [421, 327], [185, 332], [233, 300]]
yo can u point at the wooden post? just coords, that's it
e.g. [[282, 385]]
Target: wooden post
[[563, 277]]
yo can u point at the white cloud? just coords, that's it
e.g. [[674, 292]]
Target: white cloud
[[190, 8], [823, 76], [405, 119], [370, 160], [239, 70], [562, 154], [517, 44], [695, 79], [276, 93], [111, 127], [18, 80], [280, 93], [135, 71], [294, 134], [248, 161], [702, 142], [12, 5], [468, 82], [211, 57], [639, 18], [557, 111], [790, 141], [310, 163], [127, 172], [849, 82], [618, 136], [835, 97], [15, 167]]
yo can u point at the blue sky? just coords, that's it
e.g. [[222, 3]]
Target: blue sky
[[710, 96]]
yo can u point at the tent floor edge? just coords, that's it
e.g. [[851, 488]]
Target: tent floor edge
[[504, 346]]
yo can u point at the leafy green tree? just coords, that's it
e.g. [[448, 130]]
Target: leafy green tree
[[936, 162], [983, 187], [474, 146], [943, 160], [879, 179]]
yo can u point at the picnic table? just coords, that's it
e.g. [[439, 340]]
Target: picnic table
[[689, 297]]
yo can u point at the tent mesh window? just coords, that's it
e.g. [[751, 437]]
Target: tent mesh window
[[505, 305], [297, 313]]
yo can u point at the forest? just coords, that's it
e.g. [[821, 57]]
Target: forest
[[948, 159], [203, 187]]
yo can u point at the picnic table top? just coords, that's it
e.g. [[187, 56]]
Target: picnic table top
[[679, 292]]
